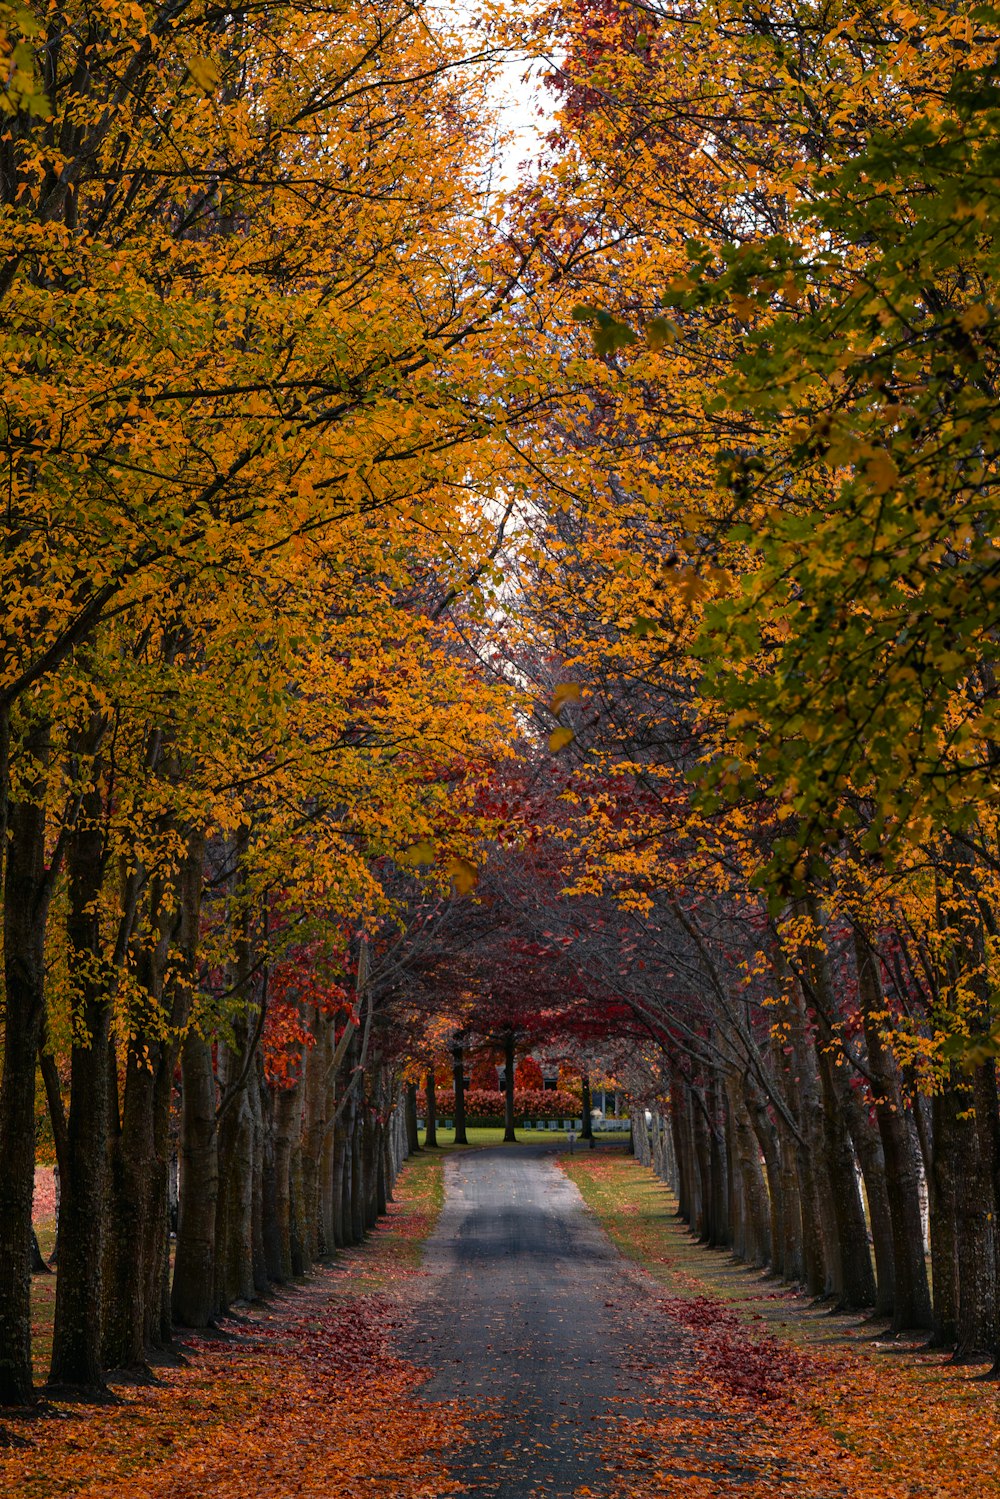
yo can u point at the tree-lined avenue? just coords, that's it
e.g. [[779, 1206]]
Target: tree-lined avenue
[[530, 1314], [468, 651]]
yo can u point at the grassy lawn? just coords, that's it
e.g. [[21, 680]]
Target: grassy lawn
[[43, 1303], [494, 1136]]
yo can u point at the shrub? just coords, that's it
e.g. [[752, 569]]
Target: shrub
[[486, 1106]]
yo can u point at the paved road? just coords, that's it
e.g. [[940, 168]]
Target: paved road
[[531, 1314]]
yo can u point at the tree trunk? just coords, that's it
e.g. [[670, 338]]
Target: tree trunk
[[640, 1141], [358, 1184], [192, 1299], [298, 1219], [721, 1228], [678, 1123], [271, 1232], [703, 1225], [943, 1202], [797, 1214], [386, 1175], [340, 1238], [193, 1295], [769, 1146], [234, 1254], [794, 1215], [287, 1121], [868, 1149], [76, 1342], [240, 1262], [131, 1278], [509, 1133], [328, 1239], [136, 1289], [410, 1112], [458, 1072], [757, 1224], [976, 1243], [586, 1123], [26, 901], [430, 1133], [318, 1060], [911, 1293], [984, 1091], [372, 1145], [855, 1286], [820, 1237]]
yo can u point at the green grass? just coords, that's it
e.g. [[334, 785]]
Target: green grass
[[446, 1140], [493, 1135], [43, 1304]]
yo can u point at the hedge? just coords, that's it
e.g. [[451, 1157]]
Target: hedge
[[486, 1107]]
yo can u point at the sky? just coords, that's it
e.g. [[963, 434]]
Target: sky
[[524, 105]]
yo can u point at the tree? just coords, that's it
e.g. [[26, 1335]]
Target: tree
[[458, 1072], [223, 478]]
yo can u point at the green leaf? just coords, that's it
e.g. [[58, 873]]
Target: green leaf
[[609, 334]]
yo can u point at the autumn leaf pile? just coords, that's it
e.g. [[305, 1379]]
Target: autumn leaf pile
[[760, 1368], [844, 1426]]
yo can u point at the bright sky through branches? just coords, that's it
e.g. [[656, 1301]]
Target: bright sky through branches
[[524, 105]]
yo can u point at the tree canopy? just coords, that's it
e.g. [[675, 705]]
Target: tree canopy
[[449, 621]]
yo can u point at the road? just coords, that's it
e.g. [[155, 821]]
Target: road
[[530, 1314]]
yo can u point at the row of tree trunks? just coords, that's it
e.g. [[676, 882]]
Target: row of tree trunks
[[27, 890], [793, 1169], [76, 1349], [807, 1178], [509, 1132], [272, 1179], [296, 1173]]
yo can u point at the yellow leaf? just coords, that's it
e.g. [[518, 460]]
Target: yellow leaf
[[566, 692], [464, 874], [421, 853], [559, 738], [882, 472], [974, 317], [206, 73]]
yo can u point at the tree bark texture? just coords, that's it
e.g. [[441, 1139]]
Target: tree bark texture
[[26, 903], [509, 1133], [76, 1343], [458, 1072]]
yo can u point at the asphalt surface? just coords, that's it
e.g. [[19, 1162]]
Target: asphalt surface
[[530, 1314]]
